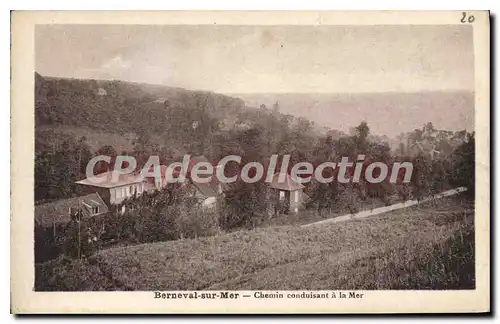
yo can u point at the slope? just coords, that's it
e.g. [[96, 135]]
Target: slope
[[421, 247]]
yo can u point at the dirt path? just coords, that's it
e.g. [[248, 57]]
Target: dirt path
[[381, 210]]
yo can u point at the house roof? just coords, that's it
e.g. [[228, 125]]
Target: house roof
[[288, 184], [175, 171], [163, 170], [107, 181], [207, 189], [195, 160], [59, 211]]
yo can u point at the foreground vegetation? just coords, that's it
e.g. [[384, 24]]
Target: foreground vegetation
[[430, 246]]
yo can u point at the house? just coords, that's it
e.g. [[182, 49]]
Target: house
[[205, 193], [101, 92], [114, 191], [56, 215], [285, 196], [425, 148], [52, 220], [153, 184]]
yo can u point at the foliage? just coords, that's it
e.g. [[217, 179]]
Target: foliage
[[57, 168], [196, 222], [244, 206], [169, 121], [421, 247], [463, 163], [79, 239]]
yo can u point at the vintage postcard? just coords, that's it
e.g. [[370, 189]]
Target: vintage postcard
[[250, 162]]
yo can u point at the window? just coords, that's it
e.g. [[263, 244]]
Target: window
[[95, 210], [131, 190]]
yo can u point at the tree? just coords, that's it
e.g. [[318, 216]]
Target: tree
[[82, 155], [103, 166], [276, 108], [416, 136], [58, 167], [324, 196], [421, 177], [428, 128], [79, 239], [245, 206], [107, 150], [362, 132], [63, 173], [43, 175], [463, 164]]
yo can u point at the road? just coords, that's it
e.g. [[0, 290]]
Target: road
[[385, 209]]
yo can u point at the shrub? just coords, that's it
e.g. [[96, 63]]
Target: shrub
[[196, 222]]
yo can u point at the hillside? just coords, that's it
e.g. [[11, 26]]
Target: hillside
[[387, 113], [424, 247], [123, 114], [119, 107]]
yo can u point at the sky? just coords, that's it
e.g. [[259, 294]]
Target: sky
[[263, 59]]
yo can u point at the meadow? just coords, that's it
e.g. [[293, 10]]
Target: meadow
[[429, 246]]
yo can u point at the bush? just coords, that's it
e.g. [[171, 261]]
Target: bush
[[196, 222]]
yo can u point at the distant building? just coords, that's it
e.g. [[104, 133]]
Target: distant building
[[424, 148], [285, 197], [54, 216], [101, 92], [205, 193], [52, 221], [161, 101]]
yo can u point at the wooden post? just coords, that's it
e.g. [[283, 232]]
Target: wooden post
[[79, 230]]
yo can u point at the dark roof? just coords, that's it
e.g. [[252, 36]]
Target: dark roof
[[207, 189], [288, 184], [195, 160], [59, 211], [210, 189]]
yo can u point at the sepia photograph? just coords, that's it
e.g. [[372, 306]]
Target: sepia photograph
[[248, 161]]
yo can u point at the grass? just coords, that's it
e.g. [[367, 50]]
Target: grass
[[311, 215], [430, 246]]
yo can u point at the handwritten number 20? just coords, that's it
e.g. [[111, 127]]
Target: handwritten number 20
[[470, 19]]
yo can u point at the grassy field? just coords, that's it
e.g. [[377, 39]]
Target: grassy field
[[430, 246], [311, 215]]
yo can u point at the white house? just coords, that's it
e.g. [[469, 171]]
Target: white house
[[116, 191]]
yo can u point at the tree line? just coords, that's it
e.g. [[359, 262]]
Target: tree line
[[215, 126]]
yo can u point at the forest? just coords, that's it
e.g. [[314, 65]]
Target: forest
[[170, 122]]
